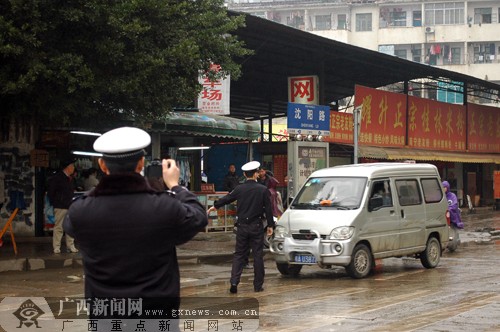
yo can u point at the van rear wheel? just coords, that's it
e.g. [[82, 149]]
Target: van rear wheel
[[361, 262], [431, 255], [289, 269]]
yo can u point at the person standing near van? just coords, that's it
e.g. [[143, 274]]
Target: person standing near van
[[253, 200], [455, 217]]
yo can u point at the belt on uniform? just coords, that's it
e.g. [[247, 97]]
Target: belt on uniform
[[249, 221]]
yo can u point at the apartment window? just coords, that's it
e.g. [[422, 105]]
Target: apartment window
[[296, 20], [451, 55], [484, 53], [482, 15], [397, 18], [417, 18], [342, 22], [363, 22], [323, 22], [416, 55], [401, 54], [456, 56], [444, 13]]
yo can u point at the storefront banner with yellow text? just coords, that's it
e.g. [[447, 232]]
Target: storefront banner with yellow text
[[383, 117], [484, 128]]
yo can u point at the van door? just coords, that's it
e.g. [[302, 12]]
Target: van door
[[381, 228], [412, 213]]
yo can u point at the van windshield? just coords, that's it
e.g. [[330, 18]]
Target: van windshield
[[332, 192]]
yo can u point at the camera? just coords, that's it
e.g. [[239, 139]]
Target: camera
[[154, 169]]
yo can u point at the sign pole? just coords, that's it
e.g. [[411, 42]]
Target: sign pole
[[357, 110]]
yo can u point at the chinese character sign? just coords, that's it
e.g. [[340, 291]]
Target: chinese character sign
[[383, 117], [341, 128], [484, 128], [303, 90], [214, 98], [436, 126], [308, 119]]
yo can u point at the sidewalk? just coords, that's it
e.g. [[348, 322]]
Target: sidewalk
[[35, 253]]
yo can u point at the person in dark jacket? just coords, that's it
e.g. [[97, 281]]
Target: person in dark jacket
[[231, 180], [253, 200], [127, 231], [60, 193]]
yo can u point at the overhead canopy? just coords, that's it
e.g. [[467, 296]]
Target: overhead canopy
[[202, 124], [281, 51], [425, 155]]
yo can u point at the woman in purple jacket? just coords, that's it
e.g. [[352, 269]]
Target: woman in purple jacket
[[455, 218]]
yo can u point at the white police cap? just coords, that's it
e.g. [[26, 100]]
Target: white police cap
[[122, 142], [250, 166]]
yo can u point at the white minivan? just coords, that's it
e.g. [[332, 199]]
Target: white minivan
[[351, 215]]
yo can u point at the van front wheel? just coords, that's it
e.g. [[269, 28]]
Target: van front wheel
[[289, 269], [361, 262], [431, 255]]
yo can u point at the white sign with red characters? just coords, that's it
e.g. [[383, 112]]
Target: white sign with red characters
[[214, 98], [303, 90]]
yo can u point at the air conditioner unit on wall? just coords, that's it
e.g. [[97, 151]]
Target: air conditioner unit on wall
[[429, 30]]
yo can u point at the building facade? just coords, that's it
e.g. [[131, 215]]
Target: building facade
[[460, 36]]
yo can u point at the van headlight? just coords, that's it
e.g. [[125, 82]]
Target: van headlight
[[280, 232], [342, 233]]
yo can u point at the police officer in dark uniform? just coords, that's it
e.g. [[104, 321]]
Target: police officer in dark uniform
[[253, 201], [127, 231]]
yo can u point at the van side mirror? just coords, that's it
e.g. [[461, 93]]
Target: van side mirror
[[375, 203]]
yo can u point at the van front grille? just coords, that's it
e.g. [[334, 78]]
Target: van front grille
[[305, 236]]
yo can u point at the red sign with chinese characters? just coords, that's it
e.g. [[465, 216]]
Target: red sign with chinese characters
[[435, 125], [303, 90], [383, 117], [484, 128], [341, 128]]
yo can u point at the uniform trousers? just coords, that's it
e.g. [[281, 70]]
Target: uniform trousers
[[57, 233], [249, 236]]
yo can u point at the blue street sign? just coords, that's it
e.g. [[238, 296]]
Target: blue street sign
[[308, 119]]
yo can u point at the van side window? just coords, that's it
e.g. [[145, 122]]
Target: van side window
[[408, 192], [433, 193], [382, 189]]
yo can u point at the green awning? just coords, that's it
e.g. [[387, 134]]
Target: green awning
[[202, 124]]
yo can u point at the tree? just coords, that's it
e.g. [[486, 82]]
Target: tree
[[74, 60]]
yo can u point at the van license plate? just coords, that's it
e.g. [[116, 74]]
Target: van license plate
[[308, 259]]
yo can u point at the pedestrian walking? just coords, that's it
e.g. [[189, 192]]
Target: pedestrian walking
[[60, 192], [455, 217], [253, 200], [127, 231]]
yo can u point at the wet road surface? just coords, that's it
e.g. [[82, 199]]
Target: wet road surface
[[461, 294]]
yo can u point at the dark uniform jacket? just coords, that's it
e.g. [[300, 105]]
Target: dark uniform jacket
[[127, 234], [231, 180], [60, 190], [253, 201]]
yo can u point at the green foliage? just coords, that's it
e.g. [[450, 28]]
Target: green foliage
[[75, 60]]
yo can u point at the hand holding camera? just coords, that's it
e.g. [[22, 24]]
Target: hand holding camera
[[171, 173]]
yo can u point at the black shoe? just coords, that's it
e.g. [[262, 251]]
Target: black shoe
[[233, 289], [261, 289]]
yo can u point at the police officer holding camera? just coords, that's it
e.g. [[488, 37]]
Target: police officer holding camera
[[126, 231], [253, 201]]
